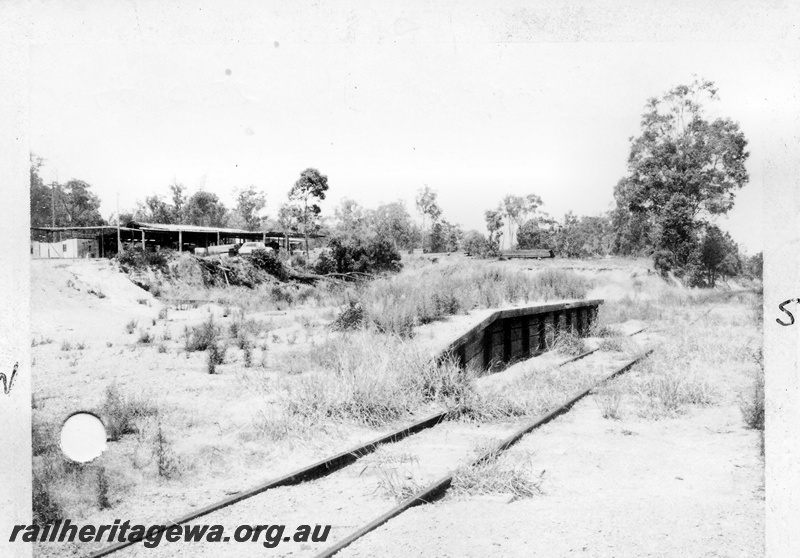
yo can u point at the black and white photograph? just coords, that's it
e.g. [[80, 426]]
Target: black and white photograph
[[437, 279]]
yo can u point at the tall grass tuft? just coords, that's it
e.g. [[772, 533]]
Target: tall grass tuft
[[167, 462], [347, 379], [609, 399], [498, 474], [668, 385], [394, 472], [122, 413], [398, 304], [201, 337], [216, 356]]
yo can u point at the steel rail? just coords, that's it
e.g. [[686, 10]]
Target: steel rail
[[316, 470], [439, 487]]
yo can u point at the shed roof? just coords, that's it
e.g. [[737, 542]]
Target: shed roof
[[196, 228], [168, 227]]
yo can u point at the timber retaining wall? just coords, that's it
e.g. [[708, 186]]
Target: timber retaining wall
[[518, 333]]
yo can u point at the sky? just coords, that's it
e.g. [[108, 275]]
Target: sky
[[473, 120]]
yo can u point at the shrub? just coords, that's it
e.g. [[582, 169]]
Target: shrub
[[201, 337], [350, 318], [43, 437], [145, 337], [130, 327], [121, 414], [136, 259], [103, 501], [268, 261], [167, 462], [46, 507], [475, 244], [66, 346], [373, 256], [298, 259], [216, 356]]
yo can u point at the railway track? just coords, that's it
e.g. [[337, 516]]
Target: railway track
[[304, 480]]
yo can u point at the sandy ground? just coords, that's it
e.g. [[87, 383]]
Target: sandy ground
[[690, 486]]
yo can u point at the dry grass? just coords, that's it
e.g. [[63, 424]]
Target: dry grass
[[620, 344], [398, 304], [532, 395], [498, 473], [121, 414], [568, 343], [609, 399], [346, 378], [61, 486], [395, 472], [752, 403], [201, 337]]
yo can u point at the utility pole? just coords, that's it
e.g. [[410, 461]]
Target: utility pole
[[119, 240], [53, 199], [53, 187]]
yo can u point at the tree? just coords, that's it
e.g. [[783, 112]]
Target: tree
[[249, 203], [391, 221], [598, 235], [676, 239], [517, 209], [309, 187], [444, 237], [81, 206], [154, 210], [538, 232], [570, 237], [288, 220], [474, 243], [351, 220], [41, 196], [754, 266], [205, 209], [682, 162], [719, 255], [494, 224], [427, 207], [178, 201]]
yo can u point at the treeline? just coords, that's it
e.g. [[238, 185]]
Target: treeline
[[683, 170]]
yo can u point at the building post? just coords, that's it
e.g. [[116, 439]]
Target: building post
[[180, 240], [143, 250], [217, 238]]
